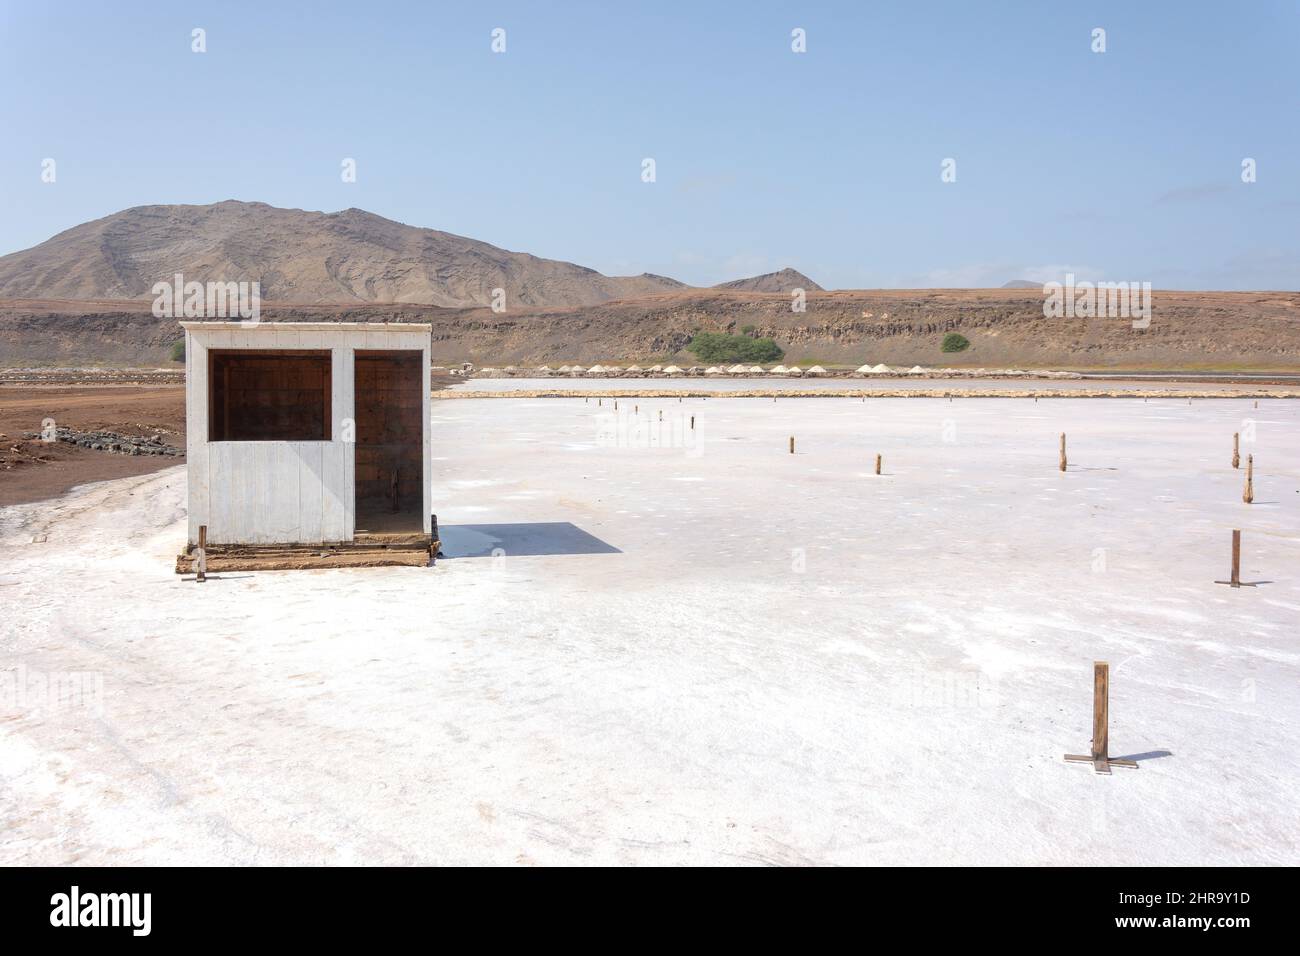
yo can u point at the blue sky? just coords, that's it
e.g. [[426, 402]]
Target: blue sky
[[1124, 165]]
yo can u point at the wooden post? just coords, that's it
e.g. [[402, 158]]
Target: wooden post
[[1234, 579], [661, 414], [1100, 757], [792, 444], [1236, 558], [1062, 451], [692, 423], [1248, 495], [201, 568], [1100, 710], [1236, 456], [877, 464]]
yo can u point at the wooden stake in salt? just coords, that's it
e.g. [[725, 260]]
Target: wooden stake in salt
[[1234, 579], [1236, 558], [201, 567], [1100, 757]]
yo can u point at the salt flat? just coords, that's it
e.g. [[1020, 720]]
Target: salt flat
[[717, 653]]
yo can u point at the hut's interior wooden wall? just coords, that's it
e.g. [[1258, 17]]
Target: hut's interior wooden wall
[[273, 395], [390, 439]]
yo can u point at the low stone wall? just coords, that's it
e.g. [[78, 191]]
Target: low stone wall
[[953, 392]]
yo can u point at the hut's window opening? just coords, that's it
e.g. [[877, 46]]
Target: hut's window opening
[[269, 396]]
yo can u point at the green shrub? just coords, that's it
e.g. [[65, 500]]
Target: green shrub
[[761, 350], [955, 342], [178, 351], [720, 347]]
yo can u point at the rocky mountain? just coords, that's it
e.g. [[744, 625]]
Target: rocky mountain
[[305, 257], [83, 297], [783, 281]]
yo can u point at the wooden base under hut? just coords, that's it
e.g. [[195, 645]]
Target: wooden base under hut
[[378, 550]]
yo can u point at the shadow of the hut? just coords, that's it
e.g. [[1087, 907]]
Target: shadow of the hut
[[519, 540]]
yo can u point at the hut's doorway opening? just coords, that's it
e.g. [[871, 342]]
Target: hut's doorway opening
[[390, 412]]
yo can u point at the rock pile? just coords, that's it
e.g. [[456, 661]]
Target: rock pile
[[113, 442]]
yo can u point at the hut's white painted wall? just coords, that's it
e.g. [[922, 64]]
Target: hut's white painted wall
[[299, 492]]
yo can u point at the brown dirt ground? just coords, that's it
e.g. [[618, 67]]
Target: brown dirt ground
[[35, 470]]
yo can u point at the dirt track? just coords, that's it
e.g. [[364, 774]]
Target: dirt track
[[36, 470]]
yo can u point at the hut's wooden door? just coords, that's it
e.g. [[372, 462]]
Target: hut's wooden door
[[389, 441]]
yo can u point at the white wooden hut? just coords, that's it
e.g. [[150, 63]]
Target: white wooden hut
[[308, 434]]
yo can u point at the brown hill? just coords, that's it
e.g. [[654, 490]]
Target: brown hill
[[784, 281], [299, 256], [1189, 330]]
